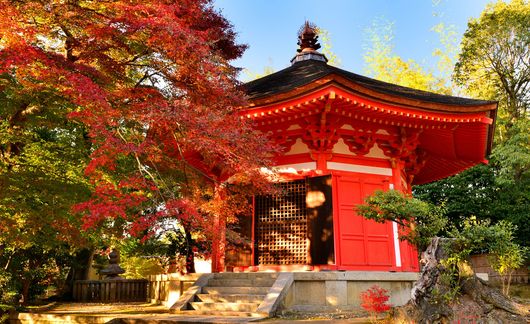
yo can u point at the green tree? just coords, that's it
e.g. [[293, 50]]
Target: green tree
[[42, 157], [495, 64], [504, 254], [495, 61], [481, 193], [465, 195], [506, 257], [421, 220], [385, 65], [327, 47]]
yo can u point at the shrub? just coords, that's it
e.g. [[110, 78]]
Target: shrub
[[8, 289], [4, 312], [140, 268], [420, 220], [375, 301], [505, 255]]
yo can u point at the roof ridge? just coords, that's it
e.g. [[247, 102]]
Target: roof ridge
[[305, 72]]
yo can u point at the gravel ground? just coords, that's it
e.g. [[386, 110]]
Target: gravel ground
[[146, 309], [96, 308]]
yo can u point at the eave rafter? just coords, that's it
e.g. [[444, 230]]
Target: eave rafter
[[408, 136], [357, 107]]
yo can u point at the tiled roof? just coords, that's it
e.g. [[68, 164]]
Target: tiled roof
[[305, 72]]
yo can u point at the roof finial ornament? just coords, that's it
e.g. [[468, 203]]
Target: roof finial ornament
[[308, 42], [308, 38]]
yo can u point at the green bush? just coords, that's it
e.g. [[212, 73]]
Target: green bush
[[505, 255], [8, 289], [421, 220], [140, 268]]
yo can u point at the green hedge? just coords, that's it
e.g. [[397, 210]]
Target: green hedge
[[4, 312]]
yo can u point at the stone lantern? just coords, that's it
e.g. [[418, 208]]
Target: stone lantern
[[113, 270]]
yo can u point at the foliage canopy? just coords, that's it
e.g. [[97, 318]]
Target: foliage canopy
[[127, 111], [420, 220]]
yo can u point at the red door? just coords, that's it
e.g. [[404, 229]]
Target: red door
[[361, 244]]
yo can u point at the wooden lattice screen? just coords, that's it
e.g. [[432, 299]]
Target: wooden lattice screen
[[281, 225]]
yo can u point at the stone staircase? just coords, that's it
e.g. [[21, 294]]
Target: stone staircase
[[214, 298], [232, 294]]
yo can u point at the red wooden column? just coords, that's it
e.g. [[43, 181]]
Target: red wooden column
[[321, 159], [407, 252], [401, 248], [219, 235]]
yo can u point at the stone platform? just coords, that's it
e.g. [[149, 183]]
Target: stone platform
[[340, 290], [234, 298], [265, 294]]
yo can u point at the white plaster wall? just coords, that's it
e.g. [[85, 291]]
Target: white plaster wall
[[295, 167], [341, 148], [359, 168], [298, 147], [376, 152]]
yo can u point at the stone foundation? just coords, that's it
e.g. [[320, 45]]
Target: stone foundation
[[309, 291], [166, 289], [340, 291]]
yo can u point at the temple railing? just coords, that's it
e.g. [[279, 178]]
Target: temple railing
[[107, 291]]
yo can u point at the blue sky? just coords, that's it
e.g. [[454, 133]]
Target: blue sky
[[270, 27]]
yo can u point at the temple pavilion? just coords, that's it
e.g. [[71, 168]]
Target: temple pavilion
[[344, 136]]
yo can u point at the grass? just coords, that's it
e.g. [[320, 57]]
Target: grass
[[4, 312], [97, 308], [359, 316], [521, 291]]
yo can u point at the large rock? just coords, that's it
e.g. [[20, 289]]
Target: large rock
[[433, 299]]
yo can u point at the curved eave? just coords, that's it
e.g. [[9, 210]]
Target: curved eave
[[444, 169], [358, 89], [334, 81], [443, 163], [305, 85], [450, 151]]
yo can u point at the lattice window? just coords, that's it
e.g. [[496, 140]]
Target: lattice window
[[281, 225]]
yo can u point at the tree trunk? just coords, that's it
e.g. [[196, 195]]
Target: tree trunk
[[190, 257], [26, 283], [79, 270], [510, 273], [476, 301]]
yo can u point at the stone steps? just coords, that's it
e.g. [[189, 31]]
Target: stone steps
[[225, 306], [256, 282], [246, 275], [236, 290], [230, 298], [219, 313], [231, 294]]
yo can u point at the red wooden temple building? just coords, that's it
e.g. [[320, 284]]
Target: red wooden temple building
[[344, 136]]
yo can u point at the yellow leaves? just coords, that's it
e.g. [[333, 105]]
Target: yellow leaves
[[495, 60], [325, 40], [383, 64], [405, 73], [251, 75]]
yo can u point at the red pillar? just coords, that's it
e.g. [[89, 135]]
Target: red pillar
[[409, 256], [219, 235], [321, 158]]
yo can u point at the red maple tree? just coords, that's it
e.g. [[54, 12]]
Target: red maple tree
[[375, 301], [152, 82]]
